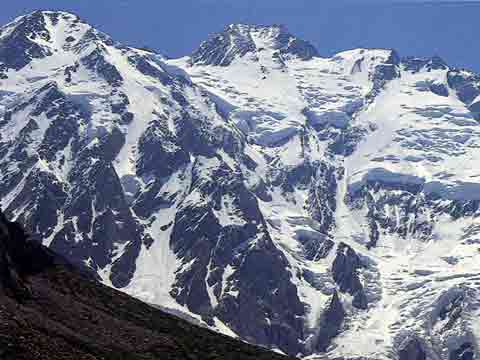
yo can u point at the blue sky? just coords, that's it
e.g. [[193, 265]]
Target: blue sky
[[176, 27]]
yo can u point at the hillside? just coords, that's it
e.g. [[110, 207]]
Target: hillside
[[49, 310]]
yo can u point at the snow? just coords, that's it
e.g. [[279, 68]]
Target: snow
[[212, 297], [457, 191], [141, 104], [326, 91], [412, 272], [338, 119], [227, 272], [56, 230], [412, 137], [386, 177], [264, 113], [228, 214], [414, 132], [156, 266], [285, 221], [224, 329]]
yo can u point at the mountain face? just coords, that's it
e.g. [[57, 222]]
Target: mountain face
[[48, 310], [317, 206], [239, 40]]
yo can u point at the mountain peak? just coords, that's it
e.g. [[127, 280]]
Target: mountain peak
[[41, 34], [40, 20], [237, 40], [256, 27], [52, 14]]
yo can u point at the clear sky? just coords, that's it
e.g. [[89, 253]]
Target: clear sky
[[176, 27]]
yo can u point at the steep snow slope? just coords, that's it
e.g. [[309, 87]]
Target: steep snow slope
[[428, 144], [317, 206]]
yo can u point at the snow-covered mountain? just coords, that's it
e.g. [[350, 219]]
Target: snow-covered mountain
[[322, 207], [50, 311]]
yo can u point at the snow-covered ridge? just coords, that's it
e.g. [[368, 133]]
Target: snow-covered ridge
[[317, 206]]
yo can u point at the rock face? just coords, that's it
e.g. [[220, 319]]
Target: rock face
[[49, 310], [412, 350], [318, 206], [20, 42], [331, 322], [238, 40], [11, 261], [467, 86], [345, 271]]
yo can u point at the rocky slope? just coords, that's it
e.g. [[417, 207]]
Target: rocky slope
[[318, 206], [48, 310]]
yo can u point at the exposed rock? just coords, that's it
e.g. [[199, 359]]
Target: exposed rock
[[227, 201], [49, 310], [330, 323], [96, 61], [345, 270], [439, 89], [19, 47], [416, 64], [465, 83], [465, 352], [412, 350], [236, 41]]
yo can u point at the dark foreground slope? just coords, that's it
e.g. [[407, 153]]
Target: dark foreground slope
[[49, 310]]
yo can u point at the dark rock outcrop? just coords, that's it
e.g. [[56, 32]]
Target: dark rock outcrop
[[416, 64], [330, 323], [50, 310], [96, 62], [465, 351], [439, 89], [412, 350], [18, 48], [345, 273], [465, 83], [322, 198], [383, 73]]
